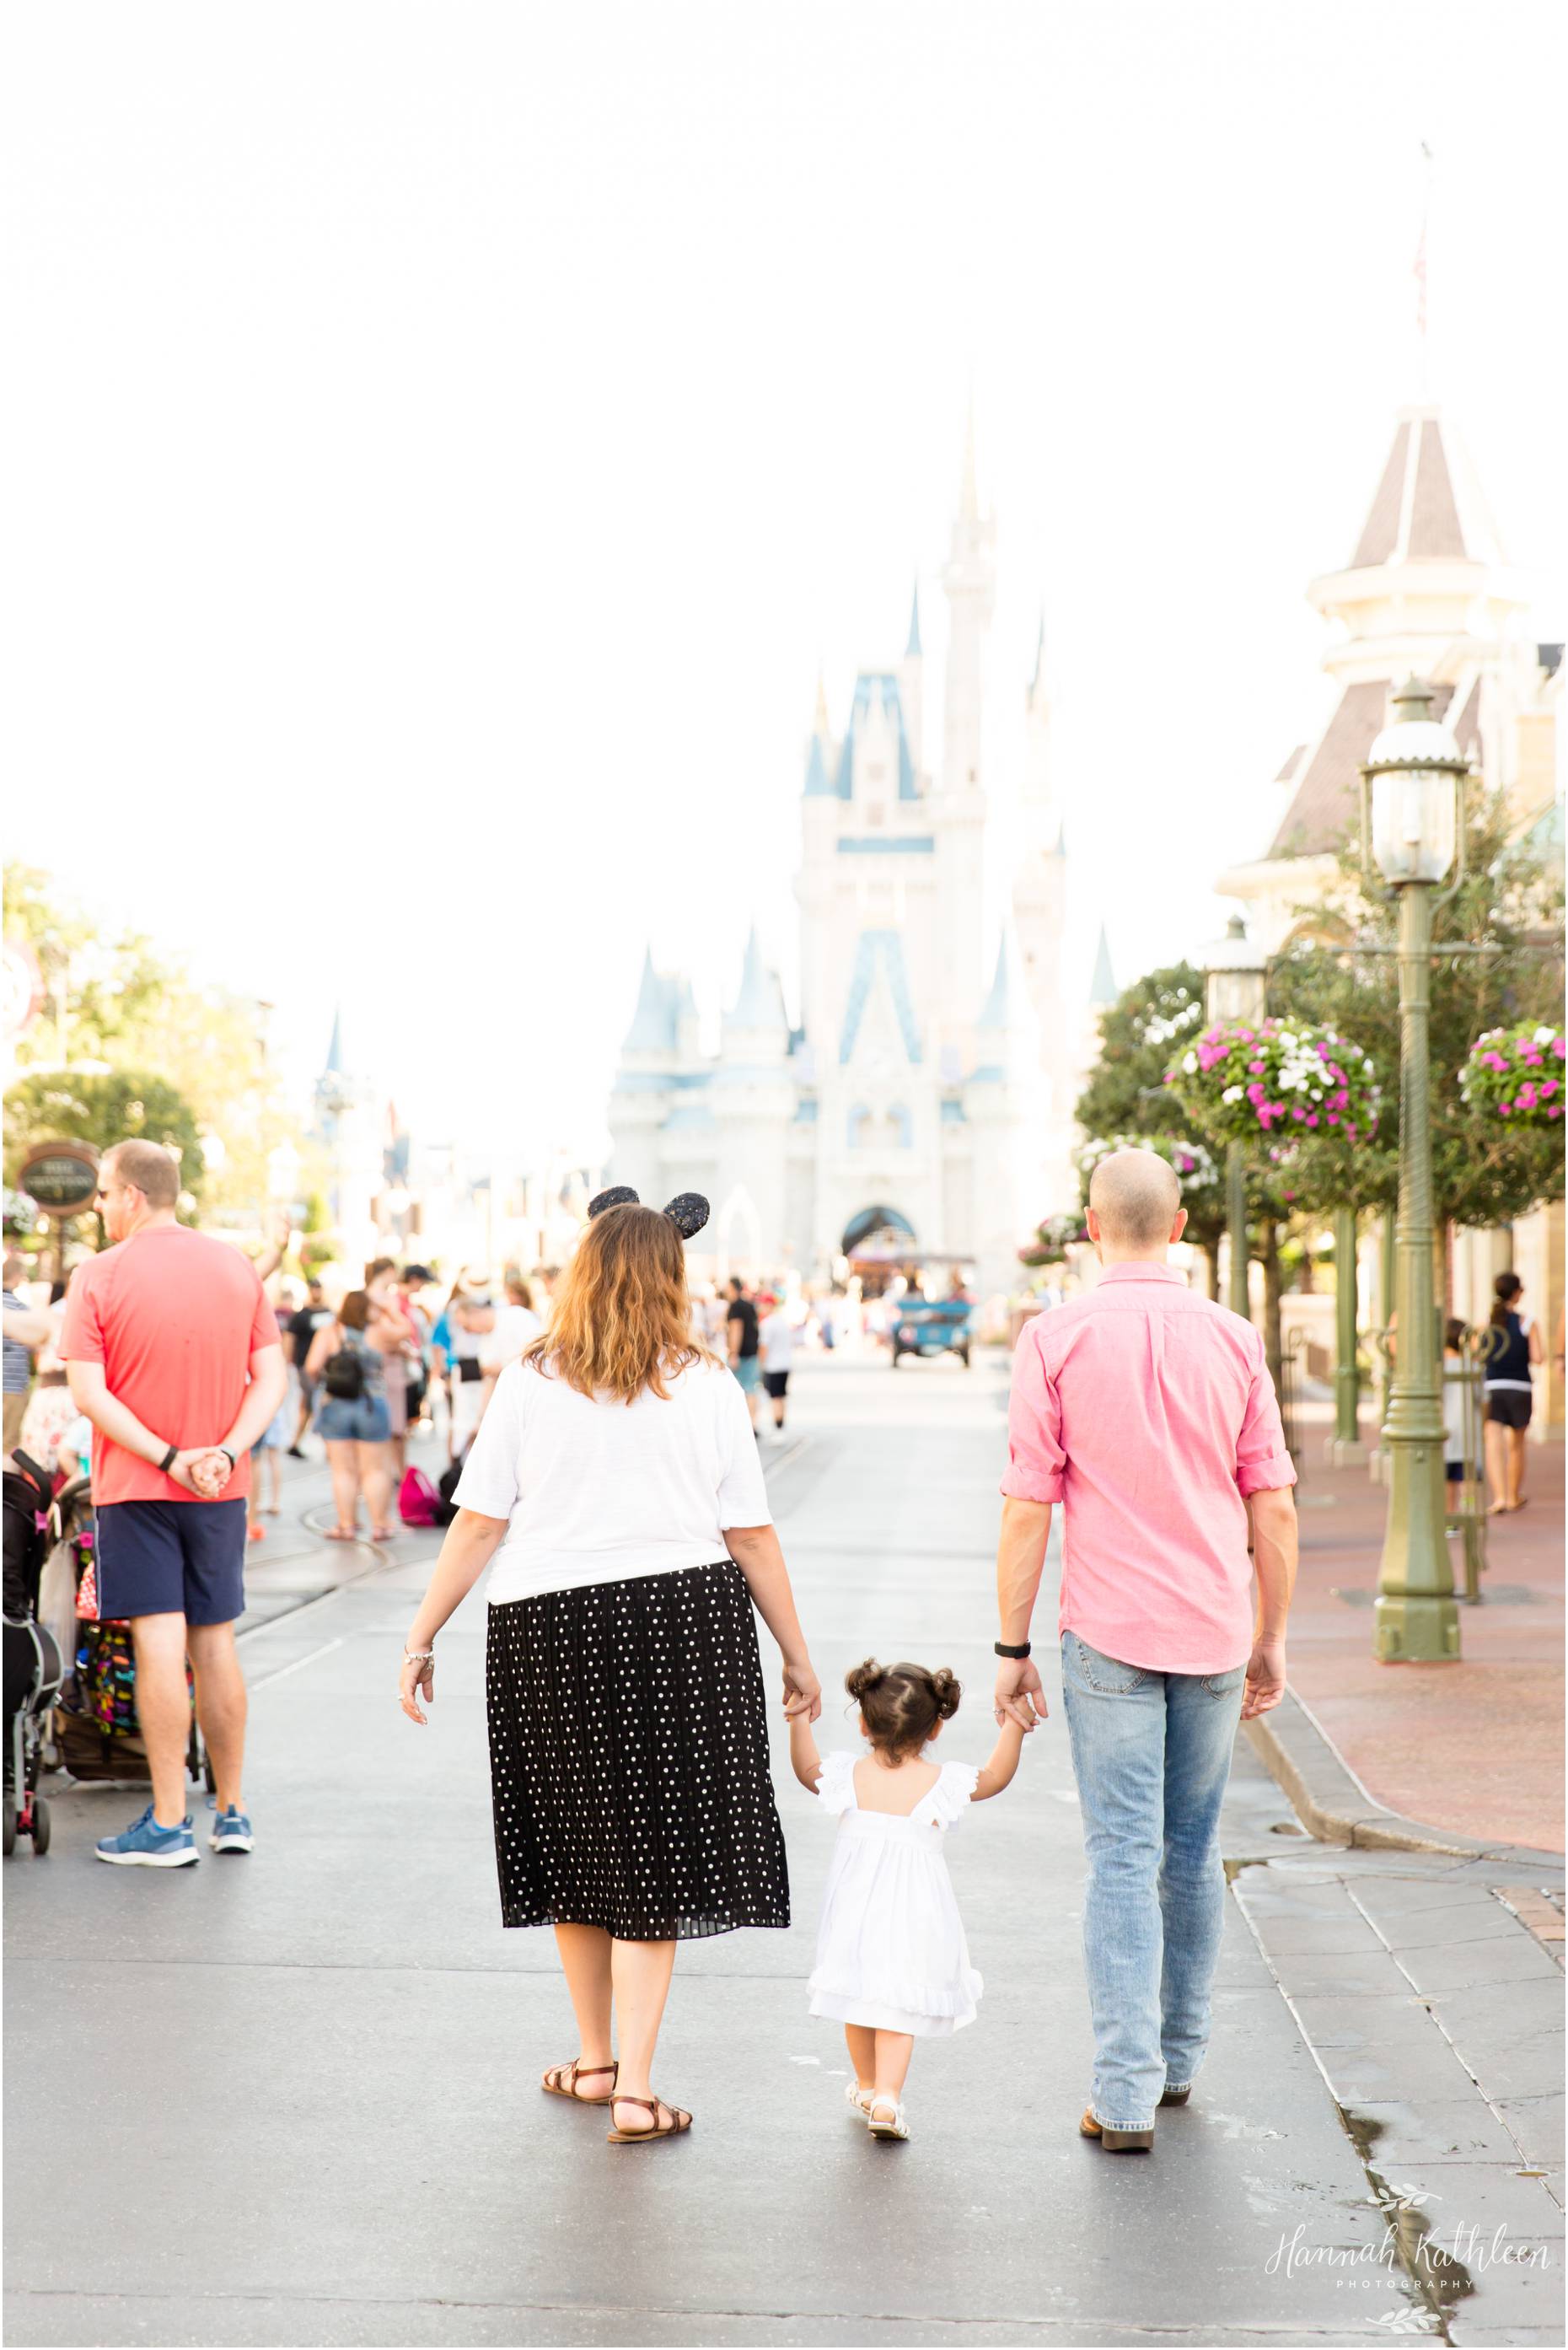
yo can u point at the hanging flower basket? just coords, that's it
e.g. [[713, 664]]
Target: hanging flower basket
[[1284, 1080], [1516, 1074], [1053, 1241], [1196, 1167]]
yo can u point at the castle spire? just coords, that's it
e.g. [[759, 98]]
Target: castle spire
[[1039, 657], [1103, 986], [760, 1004], [652, 1024], [969, 495], [969, 581]]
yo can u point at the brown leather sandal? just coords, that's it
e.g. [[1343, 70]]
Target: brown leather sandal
[[676, 2126], [560, 2081]]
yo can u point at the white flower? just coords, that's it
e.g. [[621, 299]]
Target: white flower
[[1189, 1063], [1546, 1036], [1367, 1069], [1285, 1041], [1231, 1093], [1318, 1093]]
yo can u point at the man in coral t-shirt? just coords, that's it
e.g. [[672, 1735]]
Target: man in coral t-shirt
[[173, 1354]]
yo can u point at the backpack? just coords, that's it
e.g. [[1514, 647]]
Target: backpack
[[419, 1503], [343, 1375]]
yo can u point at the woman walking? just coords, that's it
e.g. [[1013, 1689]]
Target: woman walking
[[614, 1494], [1513, 1348], [349, 1367]]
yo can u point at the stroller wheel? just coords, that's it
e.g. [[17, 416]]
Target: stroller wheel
[[40, 1825], [10, 1828]]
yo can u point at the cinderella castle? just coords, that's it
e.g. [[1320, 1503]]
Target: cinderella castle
[[922, 1109]]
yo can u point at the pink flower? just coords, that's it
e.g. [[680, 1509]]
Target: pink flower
[[1547, 1086], [1311, 1117], [1257, 1067], [1557, 1046]]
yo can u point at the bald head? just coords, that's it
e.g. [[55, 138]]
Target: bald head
[[1135, 1203]]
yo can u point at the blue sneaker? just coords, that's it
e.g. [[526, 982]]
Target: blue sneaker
[[144, 1845], [232, 1832]]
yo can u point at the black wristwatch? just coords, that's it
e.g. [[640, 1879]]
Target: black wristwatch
[[168, 1459], [1003, 1650], [230, 1458]]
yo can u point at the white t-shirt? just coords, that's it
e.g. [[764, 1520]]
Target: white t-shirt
[[776, 1340], [598, 1491], [516, 1327]]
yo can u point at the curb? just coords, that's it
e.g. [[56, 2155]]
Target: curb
[[1333, 1805]]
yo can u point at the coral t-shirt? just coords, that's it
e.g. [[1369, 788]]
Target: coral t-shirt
[[174, 1317]]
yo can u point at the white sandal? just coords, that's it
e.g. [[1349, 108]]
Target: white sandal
[[859, 2100], [897, 2127]]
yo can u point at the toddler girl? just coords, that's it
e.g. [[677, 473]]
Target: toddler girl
[[892, 1964]]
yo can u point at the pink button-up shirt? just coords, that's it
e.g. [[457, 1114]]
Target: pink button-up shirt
[[1148, 1413]]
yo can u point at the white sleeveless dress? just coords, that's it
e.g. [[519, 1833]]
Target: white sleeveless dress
[[890, 1947]]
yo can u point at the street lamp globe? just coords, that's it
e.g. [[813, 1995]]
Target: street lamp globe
[[1414, 768], [1234, 988]]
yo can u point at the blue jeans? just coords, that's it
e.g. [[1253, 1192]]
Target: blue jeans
[[1152, 1751]]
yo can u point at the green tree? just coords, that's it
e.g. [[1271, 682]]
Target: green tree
[[101, 1107], [1506, 918], [116, 1005], [1146, 1028]]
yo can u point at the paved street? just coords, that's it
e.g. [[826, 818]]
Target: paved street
[[293, 2099]]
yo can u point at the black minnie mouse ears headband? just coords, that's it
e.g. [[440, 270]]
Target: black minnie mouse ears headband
[[688, 1211]]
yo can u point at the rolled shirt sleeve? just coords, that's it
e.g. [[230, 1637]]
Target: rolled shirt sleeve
[[1035, 1461], [1262, 1463]]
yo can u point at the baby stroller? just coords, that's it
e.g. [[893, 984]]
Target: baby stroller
[[96, 1735], [34, 1668]]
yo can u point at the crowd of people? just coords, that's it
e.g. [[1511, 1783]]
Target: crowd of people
[[611, 1492]]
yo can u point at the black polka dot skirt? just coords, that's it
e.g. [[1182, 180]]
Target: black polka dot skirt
[[628, 1755]]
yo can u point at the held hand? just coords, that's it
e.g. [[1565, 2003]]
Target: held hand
[[203, 1471], [418, 1675], [1266, 1678], [1019, 1695], [802, 1693]]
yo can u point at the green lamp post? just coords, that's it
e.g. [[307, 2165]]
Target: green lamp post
[[1345, 1449], [1235, 992], [1412, 778]]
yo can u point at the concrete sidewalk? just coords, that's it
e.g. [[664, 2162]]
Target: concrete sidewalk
[[1477, 1746], [293, 2098]]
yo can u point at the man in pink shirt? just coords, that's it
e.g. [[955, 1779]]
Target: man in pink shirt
[[1148, 1414], [173, 1354]]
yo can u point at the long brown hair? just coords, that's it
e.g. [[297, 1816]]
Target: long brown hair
[[1505, 1289], [622, 1318]]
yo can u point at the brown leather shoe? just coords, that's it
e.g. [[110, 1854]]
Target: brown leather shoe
[[1115, 2141], [1176, 2096]]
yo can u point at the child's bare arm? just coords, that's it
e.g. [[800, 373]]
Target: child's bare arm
[[998, 1771], [803, 1752]]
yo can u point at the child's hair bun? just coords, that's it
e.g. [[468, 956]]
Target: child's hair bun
[[946, 1689], [862, 1678]]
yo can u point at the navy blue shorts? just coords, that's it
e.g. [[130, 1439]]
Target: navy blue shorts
[[171, 1558]]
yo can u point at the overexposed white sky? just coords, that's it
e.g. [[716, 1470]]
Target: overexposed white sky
[[443, 443]]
